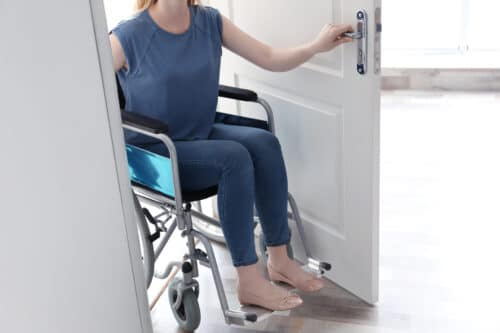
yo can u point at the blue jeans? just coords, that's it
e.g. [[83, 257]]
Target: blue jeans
[[247, 164]]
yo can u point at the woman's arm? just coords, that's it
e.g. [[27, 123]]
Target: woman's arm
[[281, 60], [119, 60]]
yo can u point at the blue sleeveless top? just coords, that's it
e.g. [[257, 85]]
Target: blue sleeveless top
[[172, 77]]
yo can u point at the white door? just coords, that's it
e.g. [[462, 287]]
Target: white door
[[69, 251], [327, 118]]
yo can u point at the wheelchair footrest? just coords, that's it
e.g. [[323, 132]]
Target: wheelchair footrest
[[247, 314], [251, 317], [325, 266], [317, 267]]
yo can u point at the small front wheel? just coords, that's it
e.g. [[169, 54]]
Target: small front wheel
[[188, 314]]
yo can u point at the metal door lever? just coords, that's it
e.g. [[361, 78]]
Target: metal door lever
[[354, 35]]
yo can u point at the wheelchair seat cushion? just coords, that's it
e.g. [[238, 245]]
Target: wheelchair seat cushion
[[153, 172]]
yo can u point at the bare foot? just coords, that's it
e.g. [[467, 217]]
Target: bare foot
[[281, 268], [254, 289]]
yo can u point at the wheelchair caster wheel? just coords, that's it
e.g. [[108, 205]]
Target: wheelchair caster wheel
[[188, 314], [263, 248]]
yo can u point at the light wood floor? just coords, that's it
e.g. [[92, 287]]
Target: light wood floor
[[440, 229]]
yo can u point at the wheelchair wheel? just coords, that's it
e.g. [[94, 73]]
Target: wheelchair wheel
[[146, 246], [214, 233], [263, 247], [188, 314]]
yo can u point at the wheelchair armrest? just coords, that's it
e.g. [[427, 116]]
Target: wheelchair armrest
[[158, 130], [145, 123], [238, 94]]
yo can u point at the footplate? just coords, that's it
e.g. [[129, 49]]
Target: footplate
[[241, 318], [317, 267]]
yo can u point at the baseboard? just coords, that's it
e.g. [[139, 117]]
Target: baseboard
[[441, 79]]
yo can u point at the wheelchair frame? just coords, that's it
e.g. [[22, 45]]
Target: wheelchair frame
[[175, 213]]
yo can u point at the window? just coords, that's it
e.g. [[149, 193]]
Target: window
[[482, 32], [441, 33]]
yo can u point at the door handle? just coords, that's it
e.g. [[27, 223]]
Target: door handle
[[353, 35], [362, 39]]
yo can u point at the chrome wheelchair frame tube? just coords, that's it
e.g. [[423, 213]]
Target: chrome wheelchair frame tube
[[205, 218], [295, 213], [230, 316], [269, 113], [175, 169], [168, 234], [153, 198], [314, 264], [300, 225]]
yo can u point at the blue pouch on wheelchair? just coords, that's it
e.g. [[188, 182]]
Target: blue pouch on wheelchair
[[150, 170]]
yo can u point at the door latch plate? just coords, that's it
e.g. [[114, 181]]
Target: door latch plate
[[362, 63]]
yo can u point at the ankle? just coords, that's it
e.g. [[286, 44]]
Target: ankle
[[278, 257], [249, 276]]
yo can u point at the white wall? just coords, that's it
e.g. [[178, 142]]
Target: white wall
[[68, 253]]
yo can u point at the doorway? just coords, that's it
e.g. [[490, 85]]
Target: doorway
[[439, 185]]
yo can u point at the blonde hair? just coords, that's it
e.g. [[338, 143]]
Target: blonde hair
[[145, 4]]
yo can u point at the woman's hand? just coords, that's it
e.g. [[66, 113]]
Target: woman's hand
[[331, 36]]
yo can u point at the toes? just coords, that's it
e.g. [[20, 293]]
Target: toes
[[293, 301], [296, 301], [316, 284]]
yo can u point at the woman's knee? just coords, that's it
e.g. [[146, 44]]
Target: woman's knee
[[264, 145], [236, 157]]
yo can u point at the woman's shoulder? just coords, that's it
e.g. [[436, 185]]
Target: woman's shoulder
[[134, 34], [208, 11], [208, 18], [133, 25]]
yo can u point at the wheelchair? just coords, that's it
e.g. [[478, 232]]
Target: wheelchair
[[155, 181]]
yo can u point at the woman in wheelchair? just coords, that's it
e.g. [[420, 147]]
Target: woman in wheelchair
[[167, 57]]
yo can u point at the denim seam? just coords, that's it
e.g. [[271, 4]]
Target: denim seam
[[279, 243], [200, 163], [246, 263]]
